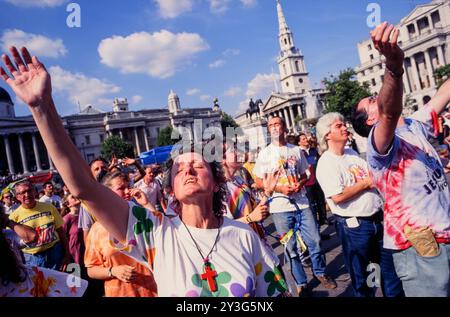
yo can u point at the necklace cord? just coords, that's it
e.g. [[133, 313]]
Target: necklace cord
[[205, 259]]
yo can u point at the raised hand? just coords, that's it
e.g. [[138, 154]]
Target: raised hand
[[270, 181], [128, 161], [261, 212], [388, 47], [28, 77]]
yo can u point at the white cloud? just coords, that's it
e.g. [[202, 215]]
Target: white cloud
[[192, 92], [217, 64], [233, 91], [205, 97], [219, 6], [231, 52], [77, 87], [249, 3], [170, 9], [37, 3], [37, 44], [260, 87], [160, 54], [136, 99]]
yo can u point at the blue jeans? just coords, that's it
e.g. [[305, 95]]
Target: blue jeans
[[284, 221], [50, 259], [360, 247], [424, 276]]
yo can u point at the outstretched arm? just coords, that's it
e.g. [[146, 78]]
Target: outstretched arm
[[442, 98], [391, 93], [31, 82]]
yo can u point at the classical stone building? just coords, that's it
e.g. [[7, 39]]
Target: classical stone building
[[22, 150], [424, 37], [296, 101]]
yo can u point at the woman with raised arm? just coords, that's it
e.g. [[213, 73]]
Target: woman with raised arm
[[199, 252]]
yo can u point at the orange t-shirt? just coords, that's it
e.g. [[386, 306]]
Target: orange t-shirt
[[99, 252]]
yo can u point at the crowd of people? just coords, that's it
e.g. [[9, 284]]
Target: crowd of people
[[195, 227]]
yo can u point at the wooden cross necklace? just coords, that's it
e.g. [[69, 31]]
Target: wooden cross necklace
[[209, 274]]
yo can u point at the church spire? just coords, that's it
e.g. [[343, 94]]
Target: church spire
[[293, 74], [286, 37], [281, 19]]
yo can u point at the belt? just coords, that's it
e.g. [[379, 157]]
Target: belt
[[376, 217]]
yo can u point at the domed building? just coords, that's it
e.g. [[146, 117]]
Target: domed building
[[6, 104], [22, 150]]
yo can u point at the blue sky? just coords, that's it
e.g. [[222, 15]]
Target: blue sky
[[202, 49]]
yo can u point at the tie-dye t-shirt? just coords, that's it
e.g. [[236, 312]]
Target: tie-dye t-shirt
[[163, 244], [412, 180]]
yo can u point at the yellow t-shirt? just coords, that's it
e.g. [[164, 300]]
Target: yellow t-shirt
[[45, 219]]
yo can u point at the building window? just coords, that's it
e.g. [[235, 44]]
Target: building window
[[285, 41], [374, 83], [287, 84], [157, 131], [102, 138], [90, 157], [369, 47], [296, 66], [300, 80], [87, 139], [284, 69], [382, 78], [436, 19], [371, 57]]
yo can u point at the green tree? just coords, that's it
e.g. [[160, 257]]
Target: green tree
[[227, 121], [442, 74], [344, 92], [165, 137], [114, 145]]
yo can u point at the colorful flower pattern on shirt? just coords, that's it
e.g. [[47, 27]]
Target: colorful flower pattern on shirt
[[276, 282], [221, 279], [42, 282], [240, 291], [177, 266]]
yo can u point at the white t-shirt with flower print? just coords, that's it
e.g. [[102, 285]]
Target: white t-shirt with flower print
[[163, 244]]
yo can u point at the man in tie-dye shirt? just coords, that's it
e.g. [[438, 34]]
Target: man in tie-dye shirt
[[409, 174]]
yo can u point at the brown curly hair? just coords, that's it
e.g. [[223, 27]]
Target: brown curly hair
[[217, 173]]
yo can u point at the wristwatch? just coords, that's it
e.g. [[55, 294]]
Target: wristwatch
[[248, 219]]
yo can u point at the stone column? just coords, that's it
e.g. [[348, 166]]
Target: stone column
[[406, 80], [415, 73], [147, 147], [36, 152], [23, 155], [429, 68], [136, 139], [291, 113], [9, 155], [300, 114], [50, 162], [441, 57], [121, 134], [286, 119]]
